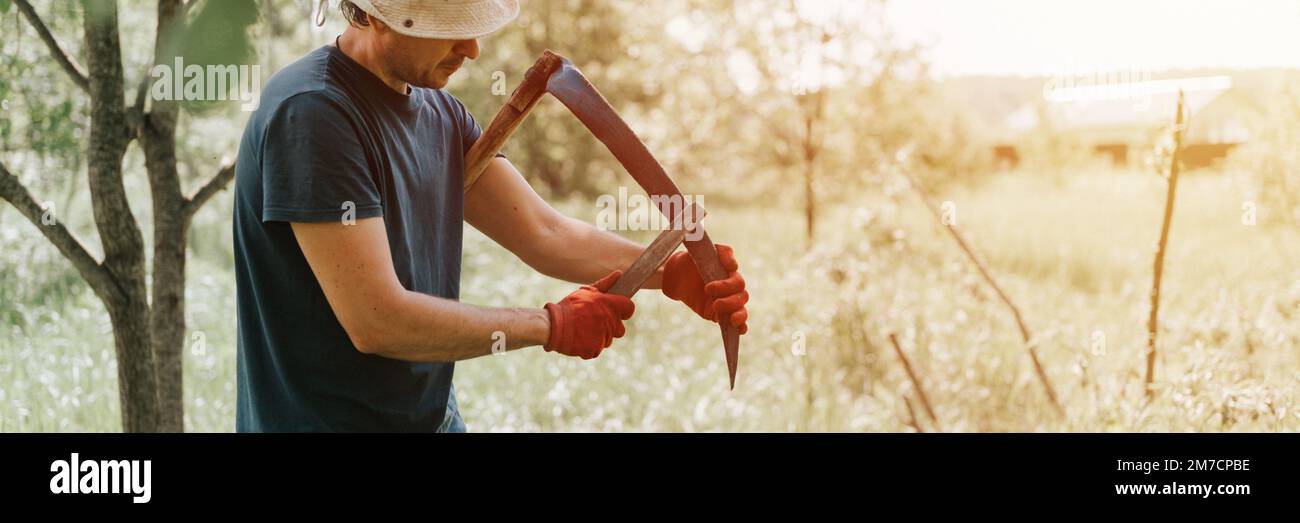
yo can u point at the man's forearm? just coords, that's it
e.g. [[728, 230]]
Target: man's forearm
[[506, 208], [578, 252], [419, 327]]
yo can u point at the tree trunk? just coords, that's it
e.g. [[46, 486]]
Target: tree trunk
[[810, 170], [809, 201], [135, 369], [170, 223], [167, 311], [167, 323], [810, 149], [118, 230]]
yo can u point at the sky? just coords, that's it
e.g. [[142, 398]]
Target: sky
[[1046, 37]]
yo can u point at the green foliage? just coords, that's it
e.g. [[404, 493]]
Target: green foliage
[[42, 114], [218, 34]]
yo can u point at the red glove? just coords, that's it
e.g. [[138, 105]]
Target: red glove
[[724, 298], [587, 321]]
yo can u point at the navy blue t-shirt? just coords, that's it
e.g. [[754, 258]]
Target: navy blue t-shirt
[[330, 141]]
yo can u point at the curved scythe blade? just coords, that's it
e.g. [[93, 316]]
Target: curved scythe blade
[[573, 90]]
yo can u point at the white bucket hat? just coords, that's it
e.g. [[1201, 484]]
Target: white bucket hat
[[442, 19]]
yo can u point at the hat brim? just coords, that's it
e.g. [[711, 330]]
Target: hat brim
[[444, 20]]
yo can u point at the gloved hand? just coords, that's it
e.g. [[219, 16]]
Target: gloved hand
[[724, 298], [587, 321]]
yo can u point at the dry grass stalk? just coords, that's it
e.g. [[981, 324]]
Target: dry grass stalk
[[979, 265], [1153, 321], [911, 415], [916, 382]]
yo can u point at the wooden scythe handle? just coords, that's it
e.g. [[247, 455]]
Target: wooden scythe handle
[[657, 252], [521, 102]]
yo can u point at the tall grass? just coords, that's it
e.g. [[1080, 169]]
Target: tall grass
[[1075, 254]]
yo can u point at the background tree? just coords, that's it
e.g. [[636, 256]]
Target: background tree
[[828, 89], [145, 301]]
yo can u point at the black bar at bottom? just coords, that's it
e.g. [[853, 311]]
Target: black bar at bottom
[[238, 471]]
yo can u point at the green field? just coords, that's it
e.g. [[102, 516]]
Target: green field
[[1073, 250]]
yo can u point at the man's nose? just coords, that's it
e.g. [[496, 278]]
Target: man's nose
[[467, 48]]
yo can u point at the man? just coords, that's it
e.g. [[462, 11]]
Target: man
[[347, 235]]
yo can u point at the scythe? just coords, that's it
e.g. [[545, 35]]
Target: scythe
[[555, 74]]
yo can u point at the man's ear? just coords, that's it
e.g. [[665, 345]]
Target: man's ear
[[379, 26]]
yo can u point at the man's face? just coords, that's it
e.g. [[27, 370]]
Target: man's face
[[424, 62]]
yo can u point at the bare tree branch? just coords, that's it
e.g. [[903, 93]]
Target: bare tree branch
[[209, 189], [65, 60], [13, 191]]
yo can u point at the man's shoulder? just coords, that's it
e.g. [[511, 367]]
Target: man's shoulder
[[305, 83], [299, 107]]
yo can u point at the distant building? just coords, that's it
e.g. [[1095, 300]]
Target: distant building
[[1116, 120]]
